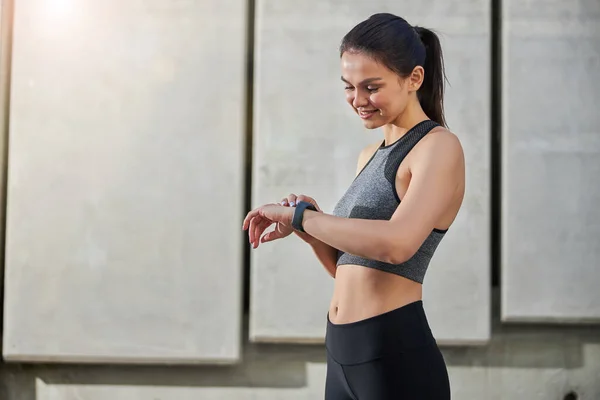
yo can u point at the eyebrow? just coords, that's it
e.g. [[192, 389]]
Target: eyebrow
[[365, 82]]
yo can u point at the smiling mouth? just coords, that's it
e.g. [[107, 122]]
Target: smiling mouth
[[366, 114]]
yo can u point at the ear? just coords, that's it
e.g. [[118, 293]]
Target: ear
[[415, 79]]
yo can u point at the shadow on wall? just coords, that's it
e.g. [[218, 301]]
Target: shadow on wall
[[519, 345], [263, 366]]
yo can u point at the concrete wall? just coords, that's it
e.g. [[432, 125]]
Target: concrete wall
[[307, 141], [519, 362], [551, 162], [126, 133], [117, 198]]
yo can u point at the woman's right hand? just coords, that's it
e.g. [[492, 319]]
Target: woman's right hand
[[282, 231]]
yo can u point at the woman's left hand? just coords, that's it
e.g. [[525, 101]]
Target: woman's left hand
[[259, 219]]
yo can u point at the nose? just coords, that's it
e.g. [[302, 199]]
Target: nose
[[359, 101]]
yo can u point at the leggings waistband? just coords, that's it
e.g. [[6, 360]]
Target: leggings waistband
[[392, 332]]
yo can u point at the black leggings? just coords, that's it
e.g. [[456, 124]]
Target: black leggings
[[392, 356]]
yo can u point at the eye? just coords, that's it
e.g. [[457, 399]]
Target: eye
[[348, 88], [372, 89]]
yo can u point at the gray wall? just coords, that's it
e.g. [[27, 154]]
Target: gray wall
[[307, 141], [126, 192], [126, 133], [517, 363], [551, 162]]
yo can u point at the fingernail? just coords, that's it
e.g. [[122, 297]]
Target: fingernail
[[283, 203], [292, 203]]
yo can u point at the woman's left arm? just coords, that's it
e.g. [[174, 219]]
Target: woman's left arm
[[436, 174]]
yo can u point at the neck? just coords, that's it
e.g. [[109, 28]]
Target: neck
[[412, 115]]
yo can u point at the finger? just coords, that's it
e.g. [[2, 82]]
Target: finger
[[255, 227], [309, 200], [249, 217], [251, 227], [284, 202], [303, 197], [279, 232], [292, 200], [271, 236], [259, 231], [252, 214]]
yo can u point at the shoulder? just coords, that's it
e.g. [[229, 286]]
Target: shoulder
[[366, 154], [441, 146], [368, 151]]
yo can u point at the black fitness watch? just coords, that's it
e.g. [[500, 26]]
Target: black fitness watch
[[299, 214]]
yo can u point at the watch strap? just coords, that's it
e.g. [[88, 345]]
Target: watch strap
[[299, 214]]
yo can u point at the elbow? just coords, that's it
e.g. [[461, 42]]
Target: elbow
[[397, 254], [397, 246], [394, 258]]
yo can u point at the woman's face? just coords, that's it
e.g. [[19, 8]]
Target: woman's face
[[377, 94]]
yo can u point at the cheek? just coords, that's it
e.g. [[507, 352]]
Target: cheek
[[388, 101], [378, 100]]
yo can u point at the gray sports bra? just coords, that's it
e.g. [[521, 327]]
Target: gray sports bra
[[372, 195]]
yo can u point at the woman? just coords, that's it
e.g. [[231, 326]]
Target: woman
[[383, 232]]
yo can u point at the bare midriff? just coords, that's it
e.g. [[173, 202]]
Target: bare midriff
[[362, 292]]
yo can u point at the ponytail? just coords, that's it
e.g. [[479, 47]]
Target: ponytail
[[431, 93], [392, 41]]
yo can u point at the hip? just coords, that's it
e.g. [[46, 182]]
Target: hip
[[394, 332], [389, 356]]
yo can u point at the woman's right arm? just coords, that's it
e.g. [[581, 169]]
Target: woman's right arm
[[326, 255]]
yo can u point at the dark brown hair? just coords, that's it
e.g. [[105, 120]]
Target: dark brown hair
[[391, 40]]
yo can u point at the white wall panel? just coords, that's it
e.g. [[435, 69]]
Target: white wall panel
[[307, 141], [551, 161], [125, 181]]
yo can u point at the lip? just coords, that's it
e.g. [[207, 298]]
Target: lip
[[366, 114]]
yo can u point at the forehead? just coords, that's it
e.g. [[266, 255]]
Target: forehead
[[357, 66]]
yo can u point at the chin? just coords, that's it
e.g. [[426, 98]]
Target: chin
[[372, 124]]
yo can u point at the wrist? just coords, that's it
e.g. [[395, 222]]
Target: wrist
[[289, 216], [301, 209]]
